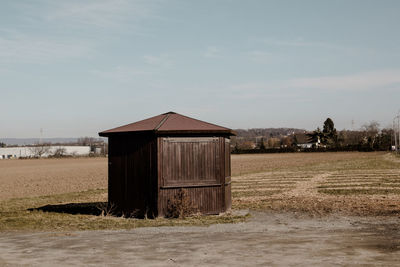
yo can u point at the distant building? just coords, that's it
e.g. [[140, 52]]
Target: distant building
[[303, 141], [28, 152]]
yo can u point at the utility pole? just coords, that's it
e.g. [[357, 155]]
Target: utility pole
[[396, 133], [41, 135], [392, 142]]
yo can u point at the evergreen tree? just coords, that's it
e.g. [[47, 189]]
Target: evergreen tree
[[315, 136], [329, 133]]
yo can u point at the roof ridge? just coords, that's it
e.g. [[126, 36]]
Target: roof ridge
[[170, 123], [162, 121], [169, 112]]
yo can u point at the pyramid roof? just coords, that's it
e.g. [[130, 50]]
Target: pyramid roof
[[170, 123]]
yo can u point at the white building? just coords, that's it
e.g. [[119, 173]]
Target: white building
[[27, 152]]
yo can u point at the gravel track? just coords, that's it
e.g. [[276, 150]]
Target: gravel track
[[277, 239]]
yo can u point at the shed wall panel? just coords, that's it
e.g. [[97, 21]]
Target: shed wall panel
[[196, 165], [206, 200], [132, 180], [227, 176], [190, 161]]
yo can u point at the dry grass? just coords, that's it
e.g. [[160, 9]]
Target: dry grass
[[83, 213], [316, 183], [64, 183], [38, 177], [257, 163], [352, 183]]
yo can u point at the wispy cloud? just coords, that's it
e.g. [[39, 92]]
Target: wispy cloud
[[121, 74], [300, 42], [293, 88], [151, 65], [162, 61], [101, 14], [18, 47], [212, 52], [259, 56], [356, 82], [44, 31]]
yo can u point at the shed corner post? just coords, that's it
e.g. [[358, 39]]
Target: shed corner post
[[159, 200]]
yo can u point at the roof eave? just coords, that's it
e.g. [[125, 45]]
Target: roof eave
[[109, 133], [208, 132], [226, 132]]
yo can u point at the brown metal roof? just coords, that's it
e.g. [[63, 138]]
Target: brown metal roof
[[170, 122]]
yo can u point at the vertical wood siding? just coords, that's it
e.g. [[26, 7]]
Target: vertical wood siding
[[205, 199], [196, 164], [145, 172], [190, 161], [132, 176], [227, 176]]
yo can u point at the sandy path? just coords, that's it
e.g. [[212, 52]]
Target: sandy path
[[305, 188], [267, 239]]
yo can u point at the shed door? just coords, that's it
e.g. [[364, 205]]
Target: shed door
[[191, 161]]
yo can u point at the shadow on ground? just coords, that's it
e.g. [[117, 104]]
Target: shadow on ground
[[88, 208]]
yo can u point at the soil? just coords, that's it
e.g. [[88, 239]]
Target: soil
[[304, 197], [253, 163], [39, 177], [286, 239], [354, 229]]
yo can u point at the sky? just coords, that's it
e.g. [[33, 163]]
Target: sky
[[75, 68]]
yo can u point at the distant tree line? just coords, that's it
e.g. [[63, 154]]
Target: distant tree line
[[368, 138]]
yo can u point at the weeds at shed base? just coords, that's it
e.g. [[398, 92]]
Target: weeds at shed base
[[181, 206]]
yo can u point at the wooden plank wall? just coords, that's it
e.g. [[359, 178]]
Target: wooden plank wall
[[132, 175], [190, 161], [144, 172], [227, 176], [196, 164], [205, 199]]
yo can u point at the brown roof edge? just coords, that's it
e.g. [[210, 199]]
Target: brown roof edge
[[107, 134], [199, 120], [221, 132], [182, 132], [161, 124]]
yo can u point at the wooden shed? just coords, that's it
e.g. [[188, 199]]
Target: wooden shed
[[151, 160]]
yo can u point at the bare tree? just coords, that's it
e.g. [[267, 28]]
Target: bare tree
[[371, 128], [86, 141], [59, 152], [371, 131], [38, 150]]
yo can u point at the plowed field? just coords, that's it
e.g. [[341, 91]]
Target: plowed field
[[318, 183]]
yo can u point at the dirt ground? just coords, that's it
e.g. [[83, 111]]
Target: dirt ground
[[29, 178], [41, 177], [320, 209], [285, 239], [256, 163], [365, 184]]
